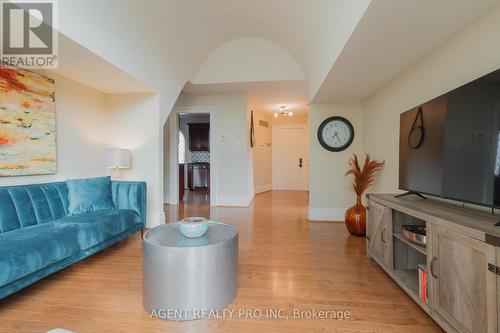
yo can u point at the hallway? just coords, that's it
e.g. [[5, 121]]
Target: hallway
[[285, 262]]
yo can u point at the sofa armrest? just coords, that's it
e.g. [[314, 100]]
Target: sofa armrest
[[130, 195]]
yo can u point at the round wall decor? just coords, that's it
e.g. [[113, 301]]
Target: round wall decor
[[336, 133]]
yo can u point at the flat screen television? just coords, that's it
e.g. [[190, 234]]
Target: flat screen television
[[449, 146]]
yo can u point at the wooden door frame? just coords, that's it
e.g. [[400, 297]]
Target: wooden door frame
[[173, 198], [306, 153]]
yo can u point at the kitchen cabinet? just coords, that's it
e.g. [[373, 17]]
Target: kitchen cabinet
[[199, 137]]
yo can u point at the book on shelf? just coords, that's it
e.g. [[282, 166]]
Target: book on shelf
[[422, 283]]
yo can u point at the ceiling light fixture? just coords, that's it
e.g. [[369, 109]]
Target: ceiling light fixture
[[283, 112]]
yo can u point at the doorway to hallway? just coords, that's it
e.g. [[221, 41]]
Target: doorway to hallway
[[194, 154], [189, 149]]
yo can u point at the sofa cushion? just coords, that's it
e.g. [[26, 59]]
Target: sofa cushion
[[27, 250], [9, 219], [87, 195], [28, 205], [96, 227]]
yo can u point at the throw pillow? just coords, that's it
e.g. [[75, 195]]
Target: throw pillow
[[87, 195]]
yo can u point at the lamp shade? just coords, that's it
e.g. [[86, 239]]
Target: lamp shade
[[117, 158]]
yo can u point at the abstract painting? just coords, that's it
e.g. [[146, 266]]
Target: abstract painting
[[27, 123]]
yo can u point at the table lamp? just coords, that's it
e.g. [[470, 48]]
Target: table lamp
[[117, 159]]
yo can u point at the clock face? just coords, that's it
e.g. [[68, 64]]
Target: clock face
[[335, 133]]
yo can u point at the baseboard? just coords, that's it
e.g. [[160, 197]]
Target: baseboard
[[155, 219], [236, 201], [326, 214], [263, 188]]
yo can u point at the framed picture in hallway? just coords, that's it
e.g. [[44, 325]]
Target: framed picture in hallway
[[27, 123]]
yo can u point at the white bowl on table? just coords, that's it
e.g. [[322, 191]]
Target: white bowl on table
[[193, 227]]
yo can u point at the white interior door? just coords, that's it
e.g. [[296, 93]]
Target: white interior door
[[289, 159]]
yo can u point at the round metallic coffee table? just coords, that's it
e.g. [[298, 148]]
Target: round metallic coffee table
[[184, 278]]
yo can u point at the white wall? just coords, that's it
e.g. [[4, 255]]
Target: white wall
[[262, 153], [80, 114], [329, 193], [234, 169], [468, 55], [132, 123]]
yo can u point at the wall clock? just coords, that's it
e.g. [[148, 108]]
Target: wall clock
[[335, 133]]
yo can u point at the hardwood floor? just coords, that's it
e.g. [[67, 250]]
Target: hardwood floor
[[284, 262]]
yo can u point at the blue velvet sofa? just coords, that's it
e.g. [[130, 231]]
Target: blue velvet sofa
[[38, 237]]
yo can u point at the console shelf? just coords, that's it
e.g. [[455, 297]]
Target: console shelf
[[409, 277], [461, 258], [419, 248]]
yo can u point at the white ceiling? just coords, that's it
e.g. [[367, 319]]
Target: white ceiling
[[262, 96], [346, 49], [164, 43], [81, 65], [392, 35]]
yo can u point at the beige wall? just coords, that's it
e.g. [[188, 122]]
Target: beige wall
[[329, 193], [131, 120], [262, 153], [468, 55], [296, 119]]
